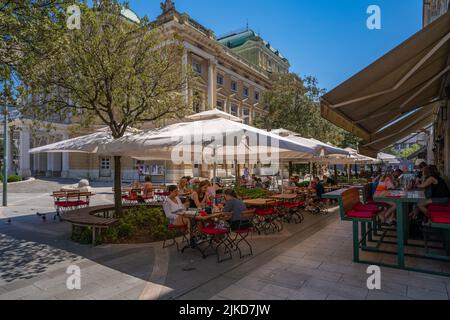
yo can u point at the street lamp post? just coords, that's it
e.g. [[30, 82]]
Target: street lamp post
[[5, 149]]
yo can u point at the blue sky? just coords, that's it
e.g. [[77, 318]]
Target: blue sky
[[324, 38]]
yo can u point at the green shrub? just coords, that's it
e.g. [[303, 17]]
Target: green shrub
[[255, 193], [303, 184], [126, 230], [82, 235], [13, 178], [139, 223]]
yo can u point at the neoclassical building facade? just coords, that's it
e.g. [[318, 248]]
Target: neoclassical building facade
[[232, 73]]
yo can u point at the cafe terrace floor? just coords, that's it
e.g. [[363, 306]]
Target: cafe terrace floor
[[311, 261]]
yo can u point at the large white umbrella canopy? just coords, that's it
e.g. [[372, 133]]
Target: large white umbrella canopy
[[321, 149], [217, 136], [388, 158], [359, 158], [92, 143], [323, 153]]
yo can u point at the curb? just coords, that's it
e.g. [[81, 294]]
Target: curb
[[19, 182]]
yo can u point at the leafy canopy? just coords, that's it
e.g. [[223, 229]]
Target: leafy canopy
[[112, 71], [293, 104]]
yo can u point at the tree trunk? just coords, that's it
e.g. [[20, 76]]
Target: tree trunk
[[118, 185], [291, 169]]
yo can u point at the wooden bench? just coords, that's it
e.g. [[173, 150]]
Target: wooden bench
[[96, 218]]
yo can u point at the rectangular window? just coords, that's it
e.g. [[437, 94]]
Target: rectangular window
[[245, 92], [256, 95], [197, 67], [219, 105], [234, 110], [234, 86], [220, 80]]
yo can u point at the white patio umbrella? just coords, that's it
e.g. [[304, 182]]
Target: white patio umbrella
[[321, 149], [361, 159], [92, 143], [388, 158], [208, 136]]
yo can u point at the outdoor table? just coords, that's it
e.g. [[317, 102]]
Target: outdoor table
[[286, 196], [258, 202], [401, 199]]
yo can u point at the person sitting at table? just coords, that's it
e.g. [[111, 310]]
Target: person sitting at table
[[387, 215], [436, 189], [267, 183], [330, 180], [173, 208], [183, 188], [396, 177], [236, 207], [200, 198], [147, 188]]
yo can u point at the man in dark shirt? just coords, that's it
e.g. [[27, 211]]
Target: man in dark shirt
[[320, 190]]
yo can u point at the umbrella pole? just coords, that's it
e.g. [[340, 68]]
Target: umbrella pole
[[165, 173]]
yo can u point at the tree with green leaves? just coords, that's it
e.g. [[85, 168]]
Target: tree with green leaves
[[29, 27], [293, 104], [112, 71]]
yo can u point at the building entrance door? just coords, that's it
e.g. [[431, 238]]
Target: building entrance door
[[105, 167]]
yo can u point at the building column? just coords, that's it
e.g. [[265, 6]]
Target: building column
[[65, 160], [24, 143], [49, 172], [211, 84]]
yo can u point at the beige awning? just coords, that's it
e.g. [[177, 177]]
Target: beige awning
[[377, 103]]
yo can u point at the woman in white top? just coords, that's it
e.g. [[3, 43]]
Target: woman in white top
[[173, 207]]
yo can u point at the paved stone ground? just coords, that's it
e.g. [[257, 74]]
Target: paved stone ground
[[308, 261]]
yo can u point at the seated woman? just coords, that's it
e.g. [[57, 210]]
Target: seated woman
[[200, 198], [436, 190], [173, 208], [236, 207], [147, 188], [388, 215], [183, 187]]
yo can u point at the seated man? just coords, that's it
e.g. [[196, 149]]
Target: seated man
[[236, 207]]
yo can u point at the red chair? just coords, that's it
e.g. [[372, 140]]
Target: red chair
[[174, 229], [366, 207], [242, 232], [266, 220], [439, 208], [438, 220], [217, 238], [293, 211]]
